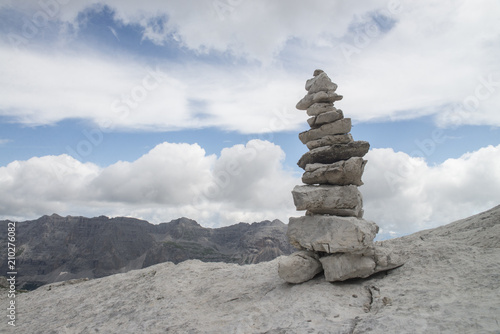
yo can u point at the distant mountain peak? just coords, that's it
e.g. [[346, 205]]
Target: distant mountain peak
[[82, 247]]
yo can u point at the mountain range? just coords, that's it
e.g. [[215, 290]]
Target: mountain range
[[54, 248]]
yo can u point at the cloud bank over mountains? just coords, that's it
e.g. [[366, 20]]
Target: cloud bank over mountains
[[245, 183]]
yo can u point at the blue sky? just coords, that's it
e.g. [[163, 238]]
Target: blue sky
[[158, 110]]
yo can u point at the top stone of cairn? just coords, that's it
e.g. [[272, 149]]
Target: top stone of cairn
[[320, 89]]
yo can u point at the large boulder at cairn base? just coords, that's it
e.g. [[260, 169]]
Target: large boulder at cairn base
[[334, 153], [332, 234], [299, 267], [339, 127], [327, 199], [339, 267], [340, 173], [386, 258]]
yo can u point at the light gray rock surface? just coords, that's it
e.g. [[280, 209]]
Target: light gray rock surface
[[299, 267], [342, 126], [341, 173], [328, 199], [339, 267], [320, 82], [450, 283], [334, 153], [330, 140], [386, 258], [327, 117], [332, 234], [320, 108], [319, 97]]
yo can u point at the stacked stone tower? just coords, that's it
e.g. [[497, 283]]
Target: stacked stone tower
[[332, 236]]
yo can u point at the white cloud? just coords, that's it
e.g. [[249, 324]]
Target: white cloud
[[435, 57], [406, 59], [423, 58], [405, 194], [119, 93], [246, 183]]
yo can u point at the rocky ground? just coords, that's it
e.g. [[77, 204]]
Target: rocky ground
[[450, 283]]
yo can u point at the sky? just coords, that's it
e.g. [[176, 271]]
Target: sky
[[166, 109]]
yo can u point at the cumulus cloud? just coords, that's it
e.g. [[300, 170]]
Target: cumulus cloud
[[246, 183], [405, 194]]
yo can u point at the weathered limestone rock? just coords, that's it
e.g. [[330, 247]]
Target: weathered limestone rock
[[334, 153], [320, 82], [339, 267], [330, 140], [386, 259], [327, 199], [331, 234], [341, 126], [327, 117], [299, 267], [310, 99], [340, 173], [320, 108]]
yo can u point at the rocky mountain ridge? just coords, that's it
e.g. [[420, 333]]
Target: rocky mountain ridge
[[54, 248]]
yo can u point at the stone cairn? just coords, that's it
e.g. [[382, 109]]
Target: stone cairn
[[332, 236]]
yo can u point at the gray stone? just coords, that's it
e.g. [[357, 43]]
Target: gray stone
[[341, 126], [340, 173], [327, 199], [328, 117], [334, 153], [310, 99], [317, 72], [340, 267], [386, 259], [320, 82], [330, 140], [332, 234], [299, 267], [320, 108]]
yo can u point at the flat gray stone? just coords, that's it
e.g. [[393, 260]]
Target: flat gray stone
[[320, 108], [332, 234], [327, 199], [310, 99], [340, 267], [334, 153], [320, 82], [386, 258], [340, 173], [299, 267], [330, 140], [342, 126], [327, 117]]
